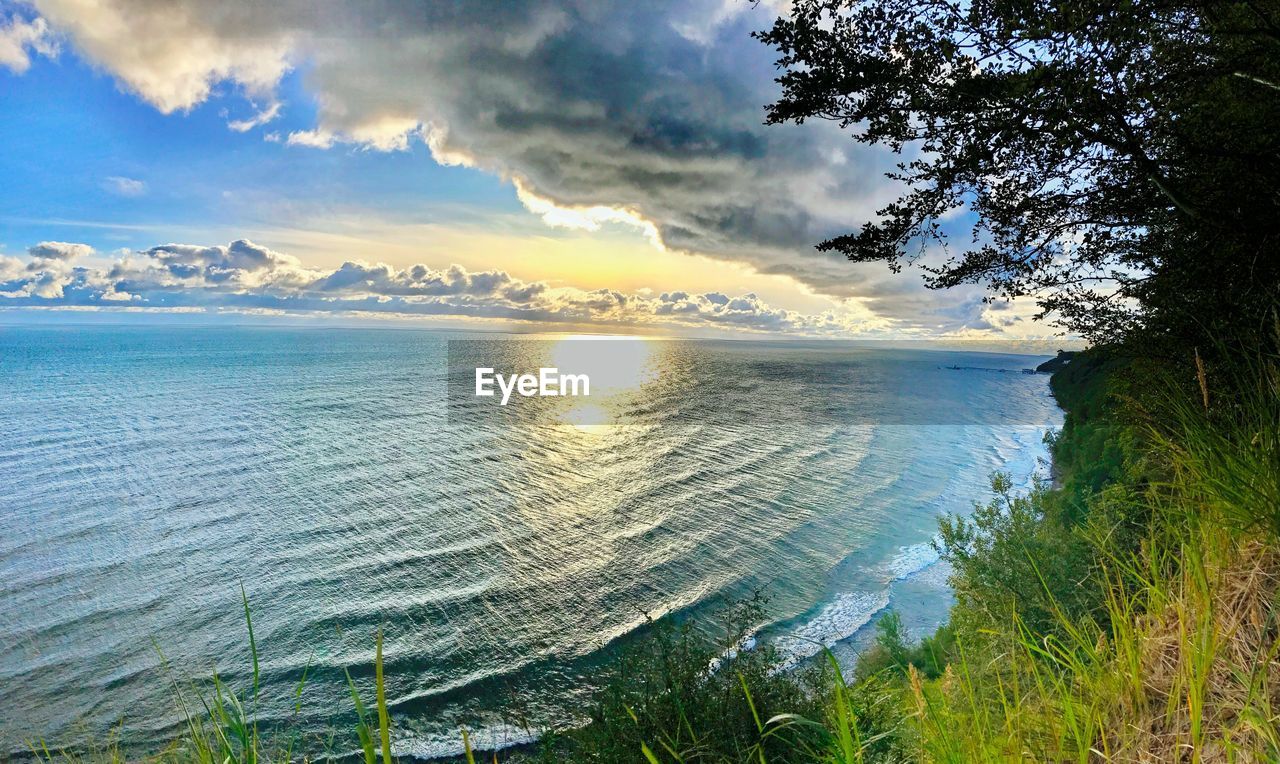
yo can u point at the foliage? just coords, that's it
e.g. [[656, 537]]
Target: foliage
[[684, 696], [1011, 559], [1224, 441], [1179, 661], [1120, 158], [894, 656]]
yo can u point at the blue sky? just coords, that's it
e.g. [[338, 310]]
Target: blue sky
[[560, 164], [69, 129]]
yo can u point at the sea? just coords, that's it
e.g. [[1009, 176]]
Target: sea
[[153, 478]]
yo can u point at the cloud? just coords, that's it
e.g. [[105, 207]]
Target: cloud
[[172, 54], [245, 276], [122, 186], [646, 114], [264, 115], [49, 270], [18, 36], [316, 139], [59, 250]]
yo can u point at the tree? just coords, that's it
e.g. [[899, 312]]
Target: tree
[[1120, 158]]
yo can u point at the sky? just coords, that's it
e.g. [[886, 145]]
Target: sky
[[547, 164]]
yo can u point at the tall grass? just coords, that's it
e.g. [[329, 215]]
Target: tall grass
[[1178, 663], [220, 724]]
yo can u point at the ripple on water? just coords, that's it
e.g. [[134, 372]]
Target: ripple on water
[[150, 472]]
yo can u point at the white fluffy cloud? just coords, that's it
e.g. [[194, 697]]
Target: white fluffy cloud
[[19, 37], [59, 250], [44, 276], [600, 111], [173, 53], [243, 275]]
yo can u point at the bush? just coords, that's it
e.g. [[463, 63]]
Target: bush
[[688, 696]]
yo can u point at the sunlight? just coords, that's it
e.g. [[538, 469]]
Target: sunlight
[[616, 365], [585, 217], [589, 418]]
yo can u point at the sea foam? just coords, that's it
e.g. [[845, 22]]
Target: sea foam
[[442, 745], [836, 621], [911, 560]]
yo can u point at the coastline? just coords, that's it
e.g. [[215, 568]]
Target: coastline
[[913, 563], [848, 613]]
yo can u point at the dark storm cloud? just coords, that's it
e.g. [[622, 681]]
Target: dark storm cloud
[[652, 108]]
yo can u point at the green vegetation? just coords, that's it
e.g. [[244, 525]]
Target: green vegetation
[[1126, 610], [1120, 161]]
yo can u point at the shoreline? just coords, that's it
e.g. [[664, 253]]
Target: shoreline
[[847, 649], [901, 555]]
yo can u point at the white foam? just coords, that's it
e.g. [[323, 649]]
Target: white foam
[[745, 644], [911, 560], [836, 621], [1023, 455], [442, 745]]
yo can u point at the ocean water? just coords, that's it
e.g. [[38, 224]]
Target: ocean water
[[147, 473]]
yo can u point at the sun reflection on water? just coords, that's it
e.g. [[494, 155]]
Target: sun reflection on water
[[618, 367]]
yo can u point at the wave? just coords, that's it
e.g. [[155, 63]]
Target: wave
[[911, 560], [1019, 452], [447, 745], [835, 622]]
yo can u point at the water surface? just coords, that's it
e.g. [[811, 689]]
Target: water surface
[[148, 473]]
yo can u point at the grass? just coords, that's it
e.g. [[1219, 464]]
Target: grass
[[1127, 613], [1177, 659], [220, 726]]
